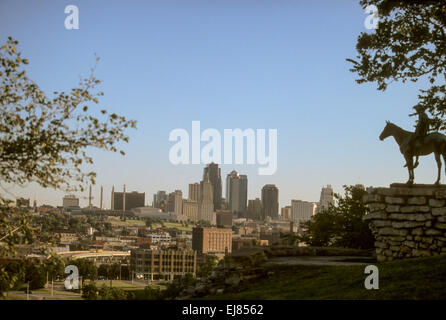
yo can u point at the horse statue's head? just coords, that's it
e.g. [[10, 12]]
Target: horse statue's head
[[387, 131]]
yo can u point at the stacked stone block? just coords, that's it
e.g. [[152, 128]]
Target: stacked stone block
[[407, 221]]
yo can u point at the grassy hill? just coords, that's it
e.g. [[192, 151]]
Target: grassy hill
[[422, 278]]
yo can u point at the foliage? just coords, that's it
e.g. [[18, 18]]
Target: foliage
[[176, 287], [205, 269], [91, 292], [87, 269], [44, 139], [341, 224], [409, 44]]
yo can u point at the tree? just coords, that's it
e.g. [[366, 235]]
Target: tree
[[409, 44], [341, 224], [44, 139], [87, 269], [205, 269]]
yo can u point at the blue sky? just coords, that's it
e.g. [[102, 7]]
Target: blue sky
[[229, 64]]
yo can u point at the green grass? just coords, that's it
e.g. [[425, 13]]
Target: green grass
[[173, 225], [423, 278], [128, 223]]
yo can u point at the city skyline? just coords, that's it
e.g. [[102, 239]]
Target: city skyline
[[229, 65]]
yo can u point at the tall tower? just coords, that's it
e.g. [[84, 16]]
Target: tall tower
[[113, 198], [270, 201], [326, 199], [237, 193], [102, 193], [123, 200], [194, 191], [206, 202], [214, 173]]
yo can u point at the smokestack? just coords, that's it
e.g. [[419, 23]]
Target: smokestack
[[89, 198], [102, 191], [123, 200], [113, 198]]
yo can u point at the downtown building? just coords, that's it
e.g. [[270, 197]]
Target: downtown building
[[302, 211], [216, 241], [206, 201], [70, 201], [270, 202], [194, 191], [214, 173], [190, 209], [254, 210], [175, 202], [326, 199], [162, 264], [237, 193], [126, 201]]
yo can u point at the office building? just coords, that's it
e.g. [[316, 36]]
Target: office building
[[190, 209], [162, 264], [285, 213], [270, 201], [126, 201], [224, 218], [214, 173], [212, 240], [194, 191], [326, 199], [206, 202], [237, 193], [302, 210], [70, 201], [254, 210]]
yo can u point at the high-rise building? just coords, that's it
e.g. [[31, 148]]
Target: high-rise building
[[206, 202], [212, 240], [127, 200], [326, 199], [214, 173], [159, 198], [70, 201], [254, 210], [302, 210], [194, 191], [285, 213], [178, 202], [237, 193], [190, 209], [270, 201], [224, 218]]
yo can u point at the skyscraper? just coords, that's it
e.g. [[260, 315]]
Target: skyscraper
[[159, 199], [270, 201], [327, 198], [302, 210], [206, 202], [194, 191], [237, 193], [175, 202], [214, 173], [127, 200], [254, 210]]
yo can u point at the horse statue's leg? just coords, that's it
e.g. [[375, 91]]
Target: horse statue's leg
[[409, 162], [438, 159]]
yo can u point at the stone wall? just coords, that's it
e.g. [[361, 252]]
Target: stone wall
[[407, 221]]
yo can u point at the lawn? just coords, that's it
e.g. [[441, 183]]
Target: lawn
[[422, 278]]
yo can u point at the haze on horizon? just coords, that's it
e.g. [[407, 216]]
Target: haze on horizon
[[229, 64]]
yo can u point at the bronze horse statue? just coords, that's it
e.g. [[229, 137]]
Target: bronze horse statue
[[432, 143]]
